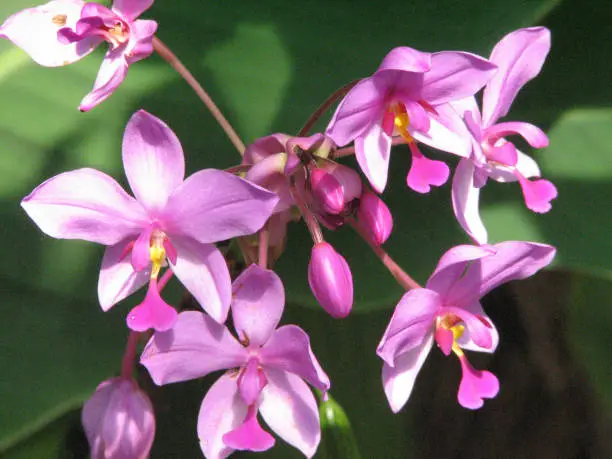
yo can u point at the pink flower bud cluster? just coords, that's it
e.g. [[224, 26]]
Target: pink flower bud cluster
[[170, 223]]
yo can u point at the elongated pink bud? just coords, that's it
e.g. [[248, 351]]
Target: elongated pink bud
[[327, 191], [119, 421], [375, 217], [349, 179], [330, 280]]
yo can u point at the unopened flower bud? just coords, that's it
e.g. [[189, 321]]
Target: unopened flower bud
[[349, 179], [330, 280], [118, 420], [375, 217], [327, 191]]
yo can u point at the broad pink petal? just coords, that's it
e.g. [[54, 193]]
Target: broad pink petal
[[538, 194], [452, 266], [398, 380], [249, 436], [290, 409], [465, 340], [131, 9], [118, 280], [455, 75], [533, 135], [412, 322], [465, 197], [512, 260], [480, 329], [251, 382], [257, 305], [111, 74], [35, 31], [475, 385], [468, 104], [202, 269], [264, 147], [418, 117], [289, 349], [406, 59], [425, 173], [362, 106], [195, 347], [140, 45], [213, 205], [153, 312], [85, 204], [222, 410], [519, 57], [443, 137], [153, 160], [504, 154], [373, 151]]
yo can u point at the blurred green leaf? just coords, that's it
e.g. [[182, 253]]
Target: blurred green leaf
[[337, 439]]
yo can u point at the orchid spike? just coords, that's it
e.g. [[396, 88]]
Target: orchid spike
[[519, 57], [63, 31], [401, 99], [448, 312], [119, 421], [173, 221], [267, 369]]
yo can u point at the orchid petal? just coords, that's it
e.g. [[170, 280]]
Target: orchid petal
[[153, 312], [538, 194], [362, 106], [418, 117], [533, 135], [465, 197], [131, 9], [480, 331], [202, 269], [35, 31], [406, 59], [249, 435], [443, 138], [466, 342], [140, 45], [475, 385], [213, 205], [468, 104], [118, 280], [424, 172], [519, 57], [251, 382], [289, 349], [411, 323], [373, 151], [257, 305], [222, 410], [111, 74], [398, 380], [455, 75], [193, 348], [85, 204], [527, 166], [290, 409], [141, 250], [153, 160]]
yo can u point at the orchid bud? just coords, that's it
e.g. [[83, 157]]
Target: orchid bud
[[349, 179], [327, 191], [375, 217], [118, 420], [330, 280]]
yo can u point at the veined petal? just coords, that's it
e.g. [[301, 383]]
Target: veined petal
[[443, 138], [202, 269], [519, 57], [35, 31], [452, 266], [288, 349], [398, 380], [193, 348], [455, 75], [131, 9], [362, 106], [373, 151], [290, 409], [412, 322], [222, 410], [257, 305], [213, 205], [465, 197], [141, 40], [468, 104], [111, 74], [406, 59], [512, 260], [153, 160], [118, 280], [85, 204]]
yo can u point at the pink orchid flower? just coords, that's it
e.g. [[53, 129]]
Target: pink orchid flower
[[448, 312], [171, 219], [63, 31], [267, 369], [519, 57], [406, 97]]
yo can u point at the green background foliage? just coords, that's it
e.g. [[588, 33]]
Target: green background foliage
[[268, 64]]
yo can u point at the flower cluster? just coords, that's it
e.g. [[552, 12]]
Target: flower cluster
[[170, 225]]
